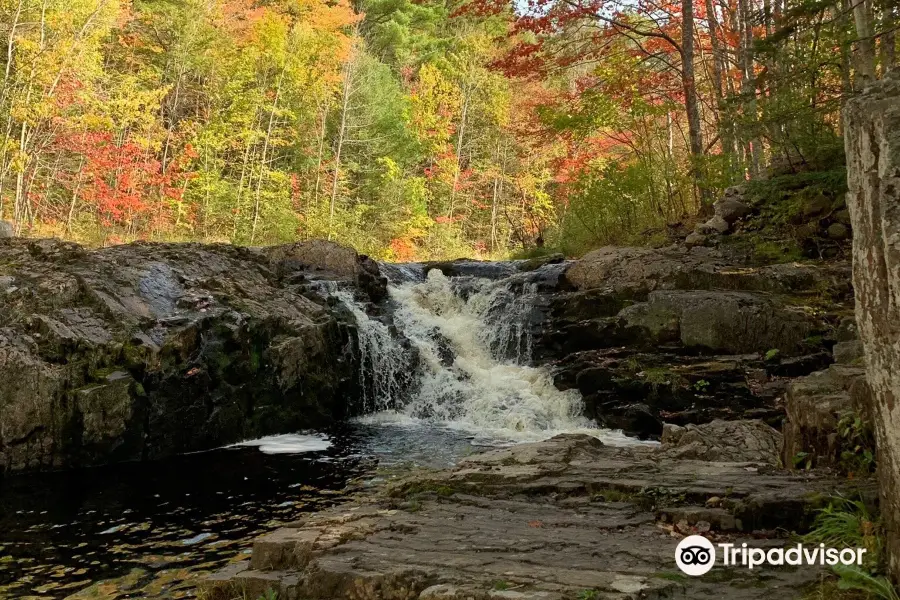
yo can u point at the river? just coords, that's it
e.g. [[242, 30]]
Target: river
[[448, 369]]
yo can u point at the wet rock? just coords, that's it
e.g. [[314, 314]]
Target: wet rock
[[145, 350], [797, 366], [333, 260], [637, 391], [735, 441], [476, 268], [532, 264], [637, 419]]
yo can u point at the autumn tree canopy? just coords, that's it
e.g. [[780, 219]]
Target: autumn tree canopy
[[414, 129]]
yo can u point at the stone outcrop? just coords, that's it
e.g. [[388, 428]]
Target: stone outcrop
[[814, 407], [330, 261], [145, 350], [632, 272], [872, 140], [728, 322], [680, 335], [723, 441], [6, 230], [554, 520]]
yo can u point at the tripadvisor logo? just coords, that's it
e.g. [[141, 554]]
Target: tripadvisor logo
[[695, 555]]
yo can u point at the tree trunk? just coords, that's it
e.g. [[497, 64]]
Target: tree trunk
[[871, 123], [865, 45], [725, 123], [262, 160], [692, 107], [888, 35], [342, 131], [459, 148], [748, 87]]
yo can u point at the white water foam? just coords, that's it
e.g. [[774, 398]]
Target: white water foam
[[472, 374], [288, 443], [384, 364]]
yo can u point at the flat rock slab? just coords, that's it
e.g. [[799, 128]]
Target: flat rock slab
[[562, 519]]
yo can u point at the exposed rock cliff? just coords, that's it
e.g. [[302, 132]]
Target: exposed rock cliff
[[872, 139], [687, 336], [145, 350]]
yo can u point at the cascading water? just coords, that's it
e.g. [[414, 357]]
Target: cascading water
[[384, 363], [465, 362]]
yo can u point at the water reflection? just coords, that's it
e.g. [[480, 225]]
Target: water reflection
[[145, 530]]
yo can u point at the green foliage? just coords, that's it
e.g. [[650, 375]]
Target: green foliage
[[857, 445], [589, 595], [269, 594], [876, 587], [848, 523], [615, 202], [802, 460], [774, 191]]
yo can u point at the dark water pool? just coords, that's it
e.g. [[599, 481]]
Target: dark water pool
[[146, 530]]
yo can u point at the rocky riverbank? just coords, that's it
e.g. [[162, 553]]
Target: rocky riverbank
[[146, 350], [561, 519]]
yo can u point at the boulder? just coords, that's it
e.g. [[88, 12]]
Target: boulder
[[717, 224], [722, 441], [6, 230], [630, 273], [732, 322], [730, 208], [147, 350], [816, 206], [331, 260], [847, 331], [842, 216], [695, 239], [624, 270]]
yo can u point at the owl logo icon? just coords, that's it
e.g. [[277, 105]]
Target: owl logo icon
[[695, 555]]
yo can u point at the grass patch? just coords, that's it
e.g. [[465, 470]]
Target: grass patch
[[849, 523]]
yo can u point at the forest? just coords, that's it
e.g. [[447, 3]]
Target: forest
[[415, 129]]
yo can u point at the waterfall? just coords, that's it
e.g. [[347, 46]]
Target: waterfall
[[464, 361], [384, 363]]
